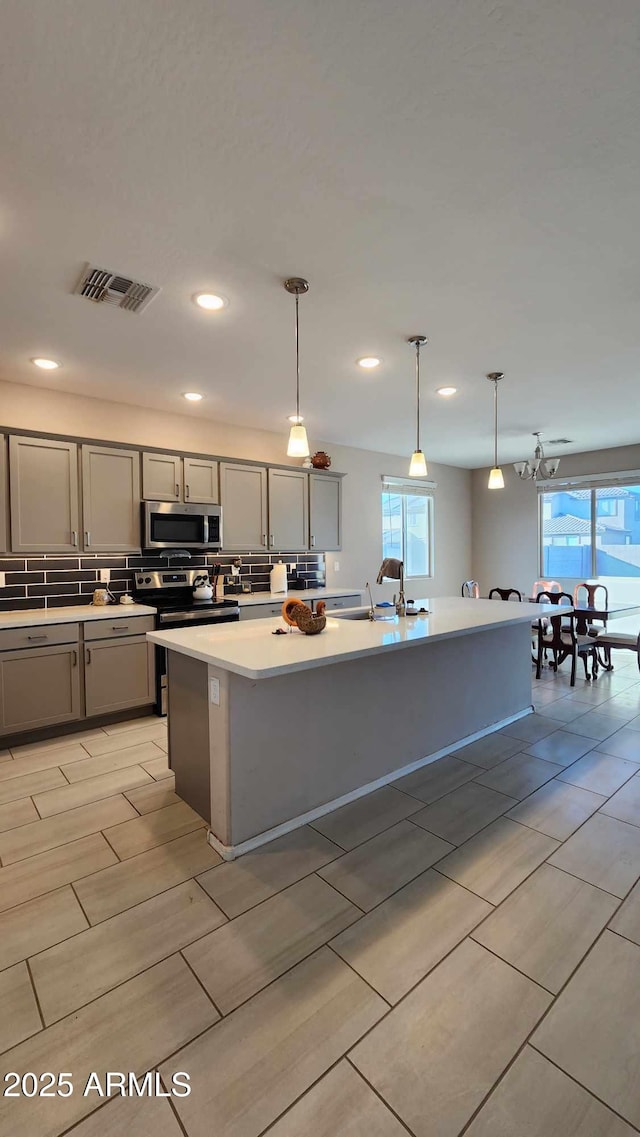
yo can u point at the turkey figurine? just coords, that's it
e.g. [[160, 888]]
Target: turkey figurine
[[299, 615]]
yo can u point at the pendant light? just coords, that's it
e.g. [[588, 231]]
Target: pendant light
[[496, 479], [298, 446], [418, 466]]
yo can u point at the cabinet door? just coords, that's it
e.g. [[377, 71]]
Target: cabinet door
[[325, 512], [118, 674], [44, 495], [288, 510], [110, 499], [201, 481], [39, 687], [4, 496], [162, 477], [243, 494]]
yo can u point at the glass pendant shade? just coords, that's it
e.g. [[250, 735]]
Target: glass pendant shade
[[496, 479], [298, 446], [418, 466]]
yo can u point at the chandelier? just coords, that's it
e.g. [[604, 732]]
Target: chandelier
[[538, 466]]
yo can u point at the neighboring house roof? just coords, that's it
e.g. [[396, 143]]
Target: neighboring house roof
[[568, 526], [603, 495]]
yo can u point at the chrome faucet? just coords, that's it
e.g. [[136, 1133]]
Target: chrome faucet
[[393, 569]]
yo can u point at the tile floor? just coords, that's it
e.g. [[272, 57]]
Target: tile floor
[[457, 953]]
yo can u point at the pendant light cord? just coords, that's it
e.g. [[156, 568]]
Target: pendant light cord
[[417, 396], [495, 423], [297, 364]]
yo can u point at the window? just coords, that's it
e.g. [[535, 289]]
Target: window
[[407, 525], [591, 532]]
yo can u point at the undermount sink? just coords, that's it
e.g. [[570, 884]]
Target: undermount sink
[[361, 614]]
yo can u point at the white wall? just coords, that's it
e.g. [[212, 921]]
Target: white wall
[[505, 522], [54, 412]]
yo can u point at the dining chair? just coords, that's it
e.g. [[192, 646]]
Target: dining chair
[[558, 635], [471, 589], [505, 593], [607, 641], [545, 586], [595, 623]]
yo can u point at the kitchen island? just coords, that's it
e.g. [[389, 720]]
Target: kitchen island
[[268, 732]]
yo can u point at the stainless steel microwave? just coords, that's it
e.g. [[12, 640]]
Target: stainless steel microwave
[[177, 525]]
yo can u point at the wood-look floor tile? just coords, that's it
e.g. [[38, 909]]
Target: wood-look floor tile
[[340, 1105], [382, 865], [110, 743], [490, 750], [437, 778], [239, 885], [19, 1017], [395, 946], [163, 743], [106, 763], [36, 875], [93, 789], [29, 784], [157, 767], [600, 773], [531, 728], [79, 970], [63, 827], [135, 1117], [131, 1028], [558, 711], [519, 776], [604, 852], [156, 795], [624, 743], [437, 1054], [139, 723], [252, 1065], [562, 747], [153, 829], [537, 1099], [59, 742], [596, 724], [359, 820], [42, 760], [245, 955], [557, 809], [593, 1030], [626, 922], [625, 803], [38, 924], [115, 889], [16, 813], [463, 812], [547, 925], [498, 859]]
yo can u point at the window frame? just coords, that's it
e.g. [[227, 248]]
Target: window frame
[[405, 489], [592, 483]]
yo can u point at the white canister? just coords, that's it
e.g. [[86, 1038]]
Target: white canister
[[278, 578]]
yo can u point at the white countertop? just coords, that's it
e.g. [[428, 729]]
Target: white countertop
[[30, 617], [250, 649], [303, 594]]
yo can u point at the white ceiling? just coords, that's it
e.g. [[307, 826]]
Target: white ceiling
[[464, 168]]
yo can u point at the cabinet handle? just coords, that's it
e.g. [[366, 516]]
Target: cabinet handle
[[312, 541], [119, 627], [74, 656], [271, 541], [264, 538], [87, 538], [87, 657], [177, 489], [74, 538], [186, 493], [37, 637]]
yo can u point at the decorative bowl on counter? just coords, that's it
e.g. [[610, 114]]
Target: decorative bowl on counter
[[297, 614]]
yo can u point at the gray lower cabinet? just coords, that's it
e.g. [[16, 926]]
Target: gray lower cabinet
[[39, 686], [4, 496], [325, 512], [243, 495], [201, 481], [110, 499], [162, 477], [118, 673], [288, 510], [45, 516]]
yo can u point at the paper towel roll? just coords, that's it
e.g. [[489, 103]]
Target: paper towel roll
[[278, 578]]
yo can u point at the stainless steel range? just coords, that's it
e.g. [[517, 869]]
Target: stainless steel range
[[171, 592]]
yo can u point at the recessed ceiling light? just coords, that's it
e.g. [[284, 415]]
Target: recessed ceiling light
[[446, 392], [368, 361], [47, 364], [210, 302], [193, 396]]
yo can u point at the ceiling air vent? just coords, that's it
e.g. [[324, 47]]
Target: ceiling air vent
[[106, 287], [559, 441]]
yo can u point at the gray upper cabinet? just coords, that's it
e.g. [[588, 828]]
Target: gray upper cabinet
[[44, 495], [162, 477], [4, 496], [243, 494], [288, 510], [325, 512], [110, 499], [201, 481]]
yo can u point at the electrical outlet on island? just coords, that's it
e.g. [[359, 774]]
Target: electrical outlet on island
[[336, 566]]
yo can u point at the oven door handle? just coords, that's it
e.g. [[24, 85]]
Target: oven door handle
[[205, 528]]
